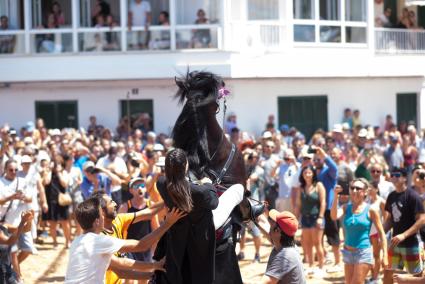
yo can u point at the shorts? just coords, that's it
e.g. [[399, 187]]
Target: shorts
[[25, 243], [309, 221], [409, 258], [252, 228], [331, 230], [358, 256]]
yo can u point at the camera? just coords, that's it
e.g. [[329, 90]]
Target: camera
[[311, 150]]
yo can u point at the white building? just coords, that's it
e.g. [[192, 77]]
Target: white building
[[303, 60]]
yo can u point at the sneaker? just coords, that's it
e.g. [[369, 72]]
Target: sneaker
[[241, 256], [257, 258], [319, 273], [334, 269], [308, 270]]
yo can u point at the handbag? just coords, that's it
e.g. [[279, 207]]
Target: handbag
[[64, 199]]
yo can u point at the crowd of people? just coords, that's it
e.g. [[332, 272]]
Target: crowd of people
[[367, 180]]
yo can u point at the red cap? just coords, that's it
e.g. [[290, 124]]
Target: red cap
[[286, 221]]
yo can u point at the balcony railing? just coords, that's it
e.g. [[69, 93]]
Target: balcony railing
[[258, 35], [399, 41]]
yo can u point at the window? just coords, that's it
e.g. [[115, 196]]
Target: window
[[330, 10], [307, 113], [263, 9], [51, 14], [12, 39], [333, 23], [58, 114], [51, 26], [304, 9]]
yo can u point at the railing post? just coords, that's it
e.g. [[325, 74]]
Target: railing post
[[371, 26]]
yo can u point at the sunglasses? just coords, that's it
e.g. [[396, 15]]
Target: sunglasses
[[306, 159], [137, 186], [286, 159], [395, 174], [356, 188], [13, 170]]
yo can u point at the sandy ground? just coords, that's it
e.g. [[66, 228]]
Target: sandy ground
[[49, 265]]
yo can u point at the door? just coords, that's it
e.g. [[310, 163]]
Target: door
[[137, 107], [306, 113], [407, 108], [58, 114]]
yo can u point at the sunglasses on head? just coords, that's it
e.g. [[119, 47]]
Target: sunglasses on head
[[356, 188]]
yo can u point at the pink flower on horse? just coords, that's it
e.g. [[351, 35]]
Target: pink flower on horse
[[223, 93]]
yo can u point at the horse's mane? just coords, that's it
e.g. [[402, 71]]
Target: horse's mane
[[199, 89]]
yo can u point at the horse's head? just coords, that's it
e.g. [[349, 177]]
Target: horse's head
[[200, 89]]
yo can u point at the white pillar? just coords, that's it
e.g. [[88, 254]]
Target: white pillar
[[370, 26], [421, 107]]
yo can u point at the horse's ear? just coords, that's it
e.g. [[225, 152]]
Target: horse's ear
[[181, 93]]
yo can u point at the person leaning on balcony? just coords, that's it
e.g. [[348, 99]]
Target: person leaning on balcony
[[7, 42], [140, 15], [384, 19]]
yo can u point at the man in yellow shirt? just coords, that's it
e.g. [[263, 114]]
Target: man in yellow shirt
[[116, 225]]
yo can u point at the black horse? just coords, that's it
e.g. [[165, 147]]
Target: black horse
[[210, 154]]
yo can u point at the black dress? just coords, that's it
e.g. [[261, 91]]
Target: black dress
[[189, 245], [56, 212], [137, 231]]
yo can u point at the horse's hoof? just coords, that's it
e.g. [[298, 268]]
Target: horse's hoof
[[257, 210]]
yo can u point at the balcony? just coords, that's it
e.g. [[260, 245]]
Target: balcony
[[399, 41]]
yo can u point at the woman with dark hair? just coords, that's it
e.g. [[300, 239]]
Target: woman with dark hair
[[189, 246], [58, 14], [57, 182], [358, 217], [312, 204]]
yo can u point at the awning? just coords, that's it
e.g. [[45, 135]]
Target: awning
[[415, 2]]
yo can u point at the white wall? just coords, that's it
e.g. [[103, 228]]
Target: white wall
[[17, 103], [252, 100]]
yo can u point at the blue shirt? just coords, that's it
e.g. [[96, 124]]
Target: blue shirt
[[328, 176], [79, 162], [87, 187], [357, 228]]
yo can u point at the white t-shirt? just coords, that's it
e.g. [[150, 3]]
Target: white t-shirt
[[120, 167], [139, 12], [31, 182], [8, 188], [89, 258]]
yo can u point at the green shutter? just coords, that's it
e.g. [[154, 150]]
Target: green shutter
[[407, 108], [58, 114], [307, 114], [137, 107]]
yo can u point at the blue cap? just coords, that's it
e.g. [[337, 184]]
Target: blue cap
[[30, 126], [284, 127]]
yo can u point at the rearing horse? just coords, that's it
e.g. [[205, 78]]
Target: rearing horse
[[210, 154]]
